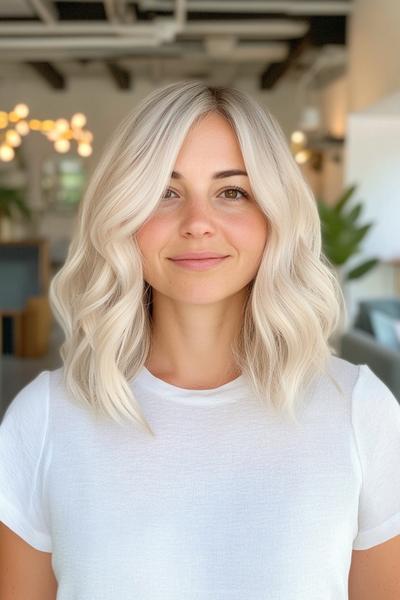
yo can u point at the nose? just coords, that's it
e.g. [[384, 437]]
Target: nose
[[198, 217]]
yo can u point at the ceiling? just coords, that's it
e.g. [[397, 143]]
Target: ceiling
[[270, 40]]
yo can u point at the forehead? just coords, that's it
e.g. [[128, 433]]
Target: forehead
[[211, 143]]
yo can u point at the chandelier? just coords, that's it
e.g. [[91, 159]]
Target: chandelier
[[14, 126]]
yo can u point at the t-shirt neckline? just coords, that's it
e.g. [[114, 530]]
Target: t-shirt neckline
[[228, 392]]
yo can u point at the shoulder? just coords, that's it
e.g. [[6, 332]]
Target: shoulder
[[30, 408], [344, 371], [363, 387], [30, 402], [337, 382]]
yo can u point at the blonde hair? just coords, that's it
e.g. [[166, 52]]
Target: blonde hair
[[99, 295]]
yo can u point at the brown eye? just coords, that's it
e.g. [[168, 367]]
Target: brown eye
[[168, 190], [235, 190]]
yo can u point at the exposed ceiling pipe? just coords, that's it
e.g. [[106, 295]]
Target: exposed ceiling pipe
[[49, 43], [277, 28], [268, 52], [290, 7]]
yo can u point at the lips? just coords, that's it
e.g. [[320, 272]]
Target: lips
[[202, 264], [198, 256]]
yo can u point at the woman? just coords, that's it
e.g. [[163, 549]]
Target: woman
[[201, 440]]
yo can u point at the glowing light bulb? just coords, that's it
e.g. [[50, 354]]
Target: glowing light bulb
[[53, 135], [62, 145], [78, 120], [22, 127], [86, 136], [13, 138], [62, 125], [302, 156], [34, 124], [6, 153], [298, 137], [3, 119], [85, 149], [48, 125], [21, 110]]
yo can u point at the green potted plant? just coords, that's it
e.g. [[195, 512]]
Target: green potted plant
[[342, 235], [12, 194], [12, 205]]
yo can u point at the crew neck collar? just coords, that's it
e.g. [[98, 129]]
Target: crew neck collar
[[228, 392]]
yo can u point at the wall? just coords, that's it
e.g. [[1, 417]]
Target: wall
[[374, 51], [372, 150]]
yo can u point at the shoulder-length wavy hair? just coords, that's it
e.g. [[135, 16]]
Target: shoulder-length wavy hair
[[103, 304]]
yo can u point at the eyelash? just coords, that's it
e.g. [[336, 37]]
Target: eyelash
[[237, 188]]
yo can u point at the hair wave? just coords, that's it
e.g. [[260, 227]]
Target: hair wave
[[99, 295]]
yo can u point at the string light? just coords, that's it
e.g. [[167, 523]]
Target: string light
[[62, 145], [6, 153], [13, 138], [13, 117], [298, 141], [34, 124], [60, 132], [298, 137], [21, 110], [62, 125], [302, 156], [22, 127], [84, 149], [78, 120]]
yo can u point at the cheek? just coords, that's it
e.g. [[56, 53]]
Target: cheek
[[251, 233], [149, 236]]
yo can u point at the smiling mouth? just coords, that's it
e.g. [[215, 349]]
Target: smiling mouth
[[198, 263], [199, 259]]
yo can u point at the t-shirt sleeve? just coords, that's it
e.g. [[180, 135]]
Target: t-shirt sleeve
[[376, 427], [23, 463]]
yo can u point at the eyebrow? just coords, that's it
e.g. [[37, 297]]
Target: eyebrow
[[217, 175]]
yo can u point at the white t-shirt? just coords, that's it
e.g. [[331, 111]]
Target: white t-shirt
[[228, 502]]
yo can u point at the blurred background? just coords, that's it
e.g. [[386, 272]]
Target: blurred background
[[328, 70]]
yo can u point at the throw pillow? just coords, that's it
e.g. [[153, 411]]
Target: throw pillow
[[386, 329]]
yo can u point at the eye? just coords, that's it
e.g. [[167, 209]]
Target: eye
[[231, 189], [168, 190], [236, 189]]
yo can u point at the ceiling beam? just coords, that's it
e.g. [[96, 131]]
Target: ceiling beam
[[275, 71], [269, 29], [125, 12], [54, 78], [289, 7], [45, 9], [110, 10], [121, 76]]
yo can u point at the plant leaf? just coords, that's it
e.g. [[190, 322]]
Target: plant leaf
[[362, 269], [345, 198]]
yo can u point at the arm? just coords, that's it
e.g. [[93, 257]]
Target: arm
[[24, 571], [375, 572]]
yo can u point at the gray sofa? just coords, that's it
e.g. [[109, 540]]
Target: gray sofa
[[359, 346]]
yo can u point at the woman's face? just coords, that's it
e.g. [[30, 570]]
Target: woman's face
[[201, 212]]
